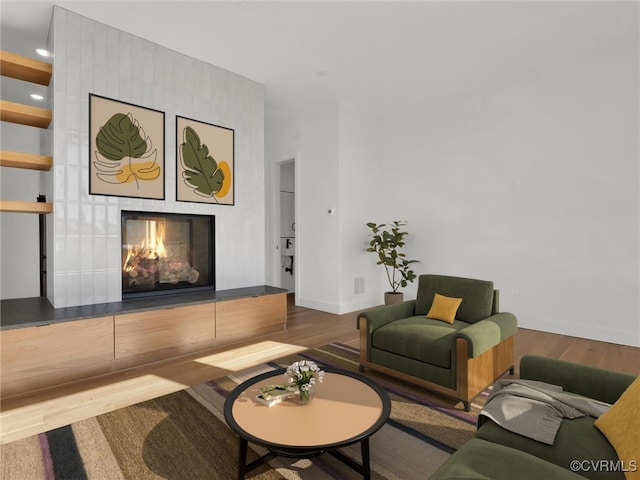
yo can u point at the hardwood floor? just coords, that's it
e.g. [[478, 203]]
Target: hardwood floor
[[605, 355], [41, 411]]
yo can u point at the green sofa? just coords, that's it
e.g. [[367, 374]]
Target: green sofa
[[459, 359], [496, 453]]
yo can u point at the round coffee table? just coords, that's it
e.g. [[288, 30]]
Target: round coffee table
[[347, 408]]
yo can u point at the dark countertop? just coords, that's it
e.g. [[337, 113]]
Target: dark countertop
[[37, 311]]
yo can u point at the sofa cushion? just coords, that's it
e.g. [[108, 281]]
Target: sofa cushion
[[444, 308], [419, 338], [479, 459], [477, 295], [577, 439]]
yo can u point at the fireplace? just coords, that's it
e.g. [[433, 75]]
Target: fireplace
[[166, 253]]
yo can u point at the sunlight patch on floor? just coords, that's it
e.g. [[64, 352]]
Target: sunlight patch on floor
[[247, 356]]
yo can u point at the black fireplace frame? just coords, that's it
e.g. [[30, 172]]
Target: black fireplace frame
[[171, 289]]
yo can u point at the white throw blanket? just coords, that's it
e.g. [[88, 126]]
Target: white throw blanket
[[536, 409]]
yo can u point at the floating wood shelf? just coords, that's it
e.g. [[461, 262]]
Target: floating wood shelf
[[34, 71], [30, 161], [15, 206], [24, 68], [24, 114]]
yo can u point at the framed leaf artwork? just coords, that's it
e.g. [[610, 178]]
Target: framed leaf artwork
[[205, 162], [126, 149]]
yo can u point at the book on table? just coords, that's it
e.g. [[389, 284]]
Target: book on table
[[274, 394]]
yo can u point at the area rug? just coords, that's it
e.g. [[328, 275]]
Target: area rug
[[184, 436]]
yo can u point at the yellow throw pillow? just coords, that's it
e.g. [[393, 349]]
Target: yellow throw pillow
[[621, 425], [444, 308]]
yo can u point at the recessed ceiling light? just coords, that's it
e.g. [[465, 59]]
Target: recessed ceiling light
[[36, 96], [43, 52]]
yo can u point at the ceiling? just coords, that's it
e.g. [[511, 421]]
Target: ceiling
[[380, 55]]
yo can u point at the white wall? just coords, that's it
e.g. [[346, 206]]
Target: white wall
[[365, 178], [84, 231], [533, 184], [19, 233], [313, 135]]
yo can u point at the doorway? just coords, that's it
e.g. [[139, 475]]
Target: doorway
[[284, 250], [287, 226]]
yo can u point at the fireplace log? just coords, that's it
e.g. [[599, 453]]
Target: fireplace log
[[140, 270], [139, 276], [175, 269]]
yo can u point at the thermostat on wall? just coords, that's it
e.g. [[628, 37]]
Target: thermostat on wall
[[331, 211]]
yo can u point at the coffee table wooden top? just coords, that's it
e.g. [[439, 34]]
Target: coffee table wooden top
[[347, 407]]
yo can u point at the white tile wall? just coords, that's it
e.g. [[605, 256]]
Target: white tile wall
[[84, 230]]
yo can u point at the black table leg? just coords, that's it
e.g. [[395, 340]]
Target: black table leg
[[243, 466], [365, 468], [242, 458], [366, 462]]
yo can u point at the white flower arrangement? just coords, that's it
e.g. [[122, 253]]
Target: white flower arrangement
[[304, 374]]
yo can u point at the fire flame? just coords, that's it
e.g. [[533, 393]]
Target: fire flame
[[151, 248]]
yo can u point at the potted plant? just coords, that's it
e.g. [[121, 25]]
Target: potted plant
[[387, 242]]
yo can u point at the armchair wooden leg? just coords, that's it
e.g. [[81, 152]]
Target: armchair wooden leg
[[361, 368], [467, 406]]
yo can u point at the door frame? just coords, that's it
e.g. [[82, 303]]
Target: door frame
[[273, 250]]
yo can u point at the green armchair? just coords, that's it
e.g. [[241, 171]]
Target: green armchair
[[458, 360]]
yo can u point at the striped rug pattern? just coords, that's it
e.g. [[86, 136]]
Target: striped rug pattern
[[184, 436]]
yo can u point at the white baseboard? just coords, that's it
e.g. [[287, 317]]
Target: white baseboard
[[360, 304], [339, 309], [316, 305]]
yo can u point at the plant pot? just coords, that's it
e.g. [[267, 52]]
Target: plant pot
[[393, 297]]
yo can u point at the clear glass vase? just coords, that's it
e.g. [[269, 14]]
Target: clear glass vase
[[302, 396]]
